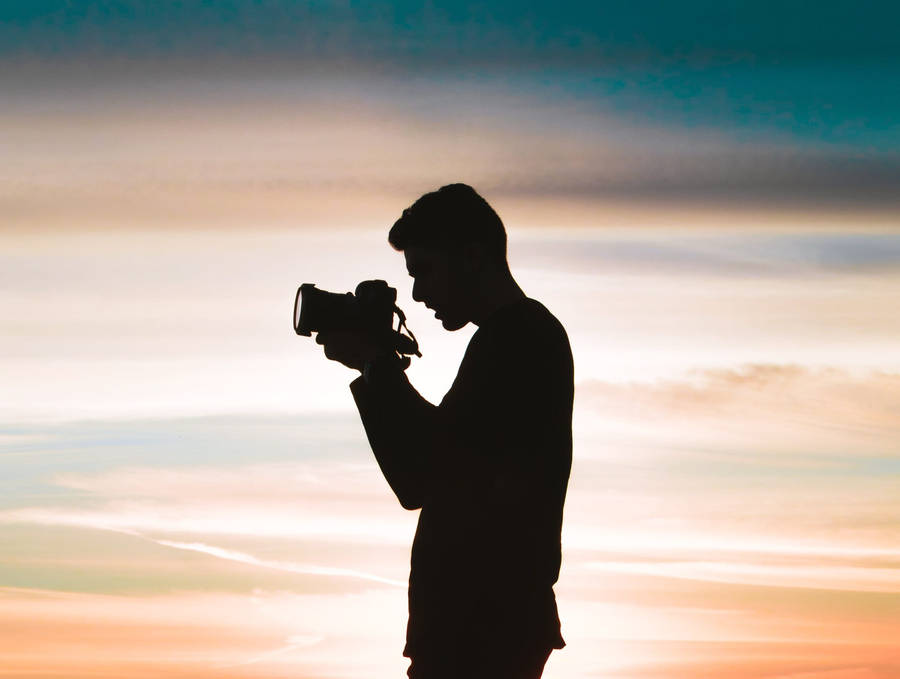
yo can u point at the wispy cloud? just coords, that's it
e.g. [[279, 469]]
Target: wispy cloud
[[801, 575], [785, 409], [294, 642], [300, 500], [768, 475], [305, 569], [741, 253]]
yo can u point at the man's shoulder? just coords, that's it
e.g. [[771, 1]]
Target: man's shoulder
[[527, 315], [524, 328]]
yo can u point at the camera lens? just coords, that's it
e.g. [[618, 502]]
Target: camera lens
[[298, 305]]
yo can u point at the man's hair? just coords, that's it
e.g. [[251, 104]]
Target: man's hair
[[449, 219]]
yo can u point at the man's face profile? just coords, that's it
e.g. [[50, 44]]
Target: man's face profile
[[440, 283]]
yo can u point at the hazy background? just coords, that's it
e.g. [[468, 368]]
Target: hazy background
[[707, 194]]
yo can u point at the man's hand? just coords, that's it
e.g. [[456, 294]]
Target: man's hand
[[350, 348]]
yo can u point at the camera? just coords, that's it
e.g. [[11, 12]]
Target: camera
[[369, 310]]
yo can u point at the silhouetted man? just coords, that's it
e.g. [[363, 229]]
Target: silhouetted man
[[488, 467]]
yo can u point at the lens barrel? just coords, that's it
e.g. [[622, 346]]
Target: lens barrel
[[301, 324], [316, 310]]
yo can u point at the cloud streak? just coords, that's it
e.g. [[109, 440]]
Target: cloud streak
[[740, 254], [305, 569], [304, 149], [811, 577], [300, 500], [796, 410]]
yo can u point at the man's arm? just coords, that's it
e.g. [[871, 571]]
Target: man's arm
[[401, 427]]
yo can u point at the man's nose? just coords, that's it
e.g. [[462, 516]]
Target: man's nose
[[417, 292]]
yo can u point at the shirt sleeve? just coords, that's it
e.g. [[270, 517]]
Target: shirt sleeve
[[400, 425]]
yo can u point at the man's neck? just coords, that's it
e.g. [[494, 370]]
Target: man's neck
[[497, 291]]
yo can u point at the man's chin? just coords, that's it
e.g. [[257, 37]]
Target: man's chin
[[453, 324]]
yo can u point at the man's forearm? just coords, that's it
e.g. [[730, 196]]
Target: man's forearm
[[400, 426]]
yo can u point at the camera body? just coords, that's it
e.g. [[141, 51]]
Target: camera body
[[369, 310]]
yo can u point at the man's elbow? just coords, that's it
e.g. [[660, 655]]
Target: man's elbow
[[409, 502], [408, 489]]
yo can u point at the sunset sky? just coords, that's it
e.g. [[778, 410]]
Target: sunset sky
[[707, 195]]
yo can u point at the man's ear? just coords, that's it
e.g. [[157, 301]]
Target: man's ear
[[474, 258]]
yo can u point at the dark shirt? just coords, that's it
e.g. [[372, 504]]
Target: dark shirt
[[489, 468]]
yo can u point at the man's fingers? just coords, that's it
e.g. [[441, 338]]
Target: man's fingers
[[342, 337], [351, 348]]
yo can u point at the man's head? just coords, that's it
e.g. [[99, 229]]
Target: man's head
[[453, 242]]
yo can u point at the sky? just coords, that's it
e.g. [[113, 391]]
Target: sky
[[704, 193]]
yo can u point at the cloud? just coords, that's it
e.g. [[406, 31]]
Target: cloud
[[305, 569], [761, 409], [723, 254], [278, 500], [718, 173], [294, 642], [779, 660], [772, 564], [300, 149], [817, 577], [190, 635], [798, 466]]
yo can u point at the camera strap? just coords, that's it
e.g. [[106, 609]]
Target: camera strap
[[401, 325]]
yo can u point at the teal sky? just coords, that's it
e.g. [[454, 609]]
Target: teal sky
[[817, 80], [497, 31]]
